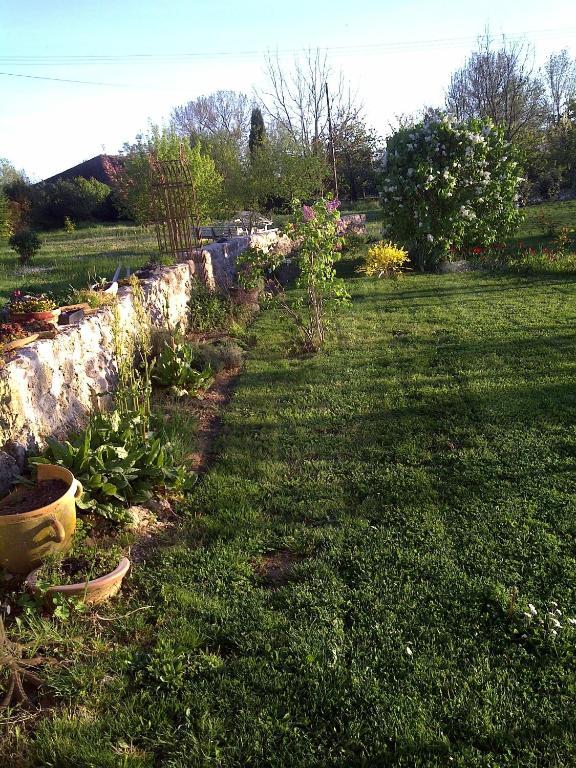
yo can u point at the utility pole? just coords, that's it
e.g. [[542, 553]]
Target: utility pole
[[332, 150]]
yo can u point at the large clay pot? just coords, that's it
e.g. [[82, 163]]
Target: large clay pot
[[94, 591], [27, 538]]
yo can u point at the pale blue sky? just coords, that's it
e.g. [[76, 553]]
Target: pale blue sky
[[178, 47]]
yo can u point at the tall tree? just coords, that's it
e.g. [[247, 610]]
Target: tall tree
[[296, 100], [499, 83], [359, 160], [559, 74], [257, 130], [215, 114]]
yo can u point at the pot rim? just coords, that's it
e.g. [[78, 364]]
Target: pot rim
[[48, 508], [82, 586]]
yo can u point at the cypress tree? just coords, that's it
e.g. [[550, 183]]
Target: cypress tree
[[257, 130]]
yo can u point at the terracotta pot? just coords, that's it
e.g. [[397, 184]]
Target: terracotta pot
[[27, 538], [94, 591], [50, 316], [18, 343]]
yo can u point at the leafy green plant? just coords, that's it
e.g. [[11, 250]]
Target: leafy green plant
[[88, 296], [115, 463], [26, 243], [316, 228], [69, 225], [175, 368], [251, 265], [209, 310]]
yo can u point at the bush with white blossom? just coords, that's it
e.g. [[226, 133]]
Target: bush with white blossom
[[448, 185]]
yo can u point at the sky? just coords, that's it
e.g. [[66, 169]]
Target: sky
[[139, 59]]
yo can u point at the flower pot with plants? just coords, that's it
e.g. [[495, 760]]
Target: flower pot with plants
[[24, 307], [73, 581], [38, 519]]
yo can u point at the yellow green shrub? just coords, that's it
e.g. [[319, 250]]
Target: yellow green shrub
[[384, 260]]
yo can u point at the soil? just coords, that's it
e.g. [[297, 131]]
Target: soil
[[276, 568], [209, 419], [28, 498]]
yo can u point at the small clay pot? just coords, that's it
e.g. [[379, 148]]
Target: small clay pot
[[94, 591]]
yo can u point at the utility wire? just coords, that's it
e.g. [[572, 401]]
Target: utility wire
[[389, 47], [66, 80]]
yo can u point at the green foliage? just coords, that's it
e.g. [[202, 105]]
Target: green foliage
[[117, 463], [221, 355], [448, 185], [69, 225], [176, 367], [93, 298], [26, 243], [5, 216], [316, 229], [358, 159], [132, 180], [78, 199], [21, 303], [209, 310]]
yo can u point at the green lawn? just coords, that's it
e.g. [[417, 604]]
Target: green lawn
[[75, 259], [414, 476]]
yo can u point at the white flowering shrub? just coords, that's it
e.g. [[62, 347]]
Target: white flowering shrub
[[448, 185]]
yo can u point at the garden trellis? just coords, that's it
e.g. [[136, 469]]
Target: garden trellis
[[175, 207]]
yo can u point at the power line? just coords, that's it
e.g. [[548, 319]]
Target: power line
[[389, 47], [66, 80]]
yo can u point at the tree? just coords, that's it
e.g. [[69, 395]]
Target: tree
[[216, 114], [499, 84], [449, 184], [296, 100], [79, 199], [560, 151], [560, 83], [5, 216], [131, 178], [9, 174], [359, 156], [257, 130]]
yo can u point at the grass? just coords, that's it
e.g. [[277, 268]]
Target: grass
[[531, 232], [408, 481], [75, 259]]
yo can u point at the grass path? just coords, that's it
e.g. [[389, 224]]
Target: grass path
[[341, 589]]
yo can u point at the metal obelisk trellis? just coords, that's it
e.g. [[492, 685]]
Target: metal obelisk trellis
[[175, 209]]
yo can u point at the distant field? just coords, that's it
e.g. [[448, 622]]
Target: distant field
[[75, 259]]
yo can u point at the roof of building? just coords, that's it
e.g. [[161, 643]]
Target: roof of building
[[95, 168]]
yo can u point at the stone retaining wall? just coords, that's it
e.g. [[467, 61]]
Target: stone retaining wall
[[48, 388]]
